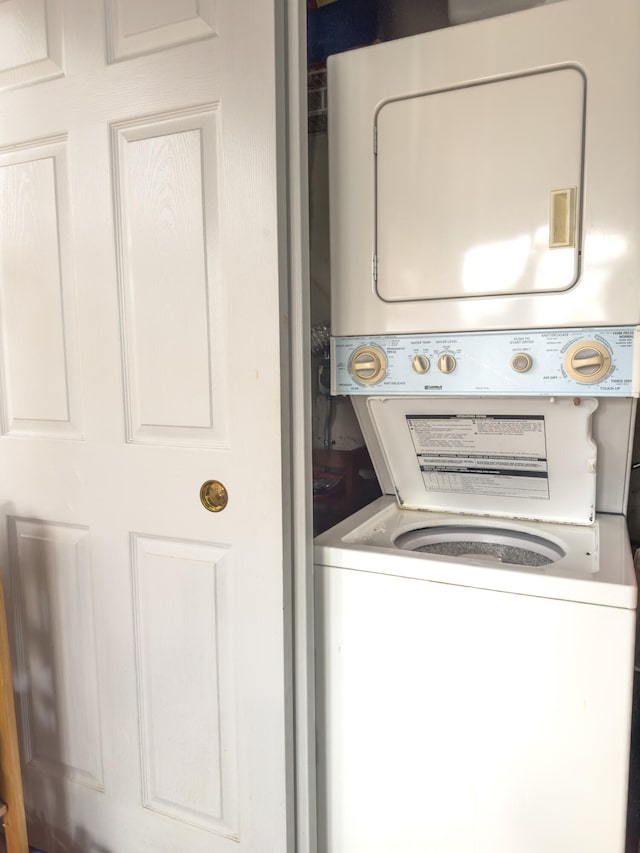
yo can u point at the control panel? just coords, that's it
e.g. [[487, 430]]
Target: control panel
[[556, 362]]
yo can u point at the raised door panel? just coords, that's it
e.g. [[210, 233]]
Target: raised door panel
[[30, 41], [172, 300], [40, 392], [139, 27], [52, 577], [183, 635]]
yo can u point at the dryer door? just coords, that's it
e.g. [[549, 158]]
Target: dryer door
[[478, 188], [486, 176]]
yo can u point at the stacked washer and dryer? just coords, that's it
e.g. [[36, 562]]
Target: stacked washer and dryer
[[475, 625]]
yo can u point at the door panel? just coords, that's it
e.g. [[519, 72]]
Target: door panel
[[137, 26], [40, 382], [185, 673], [61, 711], [140, 320], [30, 41], [167, 211]]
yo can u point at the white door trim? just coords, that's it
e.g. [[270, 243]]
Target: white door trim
[[296, 395]]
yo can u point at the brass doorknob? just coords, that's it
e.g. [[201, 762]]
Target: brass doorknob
[[213, 496]]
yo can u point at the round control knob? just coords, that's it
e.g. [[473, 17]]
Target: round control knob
[[447, 363], [587, 361], [420, 363], [368, 365], [521, 362]]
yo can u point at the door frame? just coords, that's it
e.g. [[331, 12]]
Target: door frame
[[291, 74]]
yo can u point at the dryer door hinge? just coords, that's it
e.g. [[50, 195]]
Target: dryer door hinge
[[374, 266]]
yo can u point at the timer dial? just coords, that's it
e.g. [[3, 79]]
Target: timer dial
[[587, 361], [368, 365]]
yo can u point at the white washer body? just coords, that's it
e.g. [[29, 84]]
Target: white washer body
[[465, 705], [486, 176]]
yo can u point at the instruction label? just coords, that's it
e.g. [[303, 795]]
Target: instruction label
[[504, 455]]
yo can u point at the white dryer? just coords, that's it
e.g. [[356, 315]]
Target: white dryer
[[486, 176], [474, 671], [475, 626]]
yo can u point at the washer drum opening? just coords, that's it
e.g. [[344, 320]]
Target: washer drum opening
[[485, 543]]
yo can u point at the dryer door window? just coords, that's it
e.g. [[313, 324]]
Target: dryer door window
[[479, 188]]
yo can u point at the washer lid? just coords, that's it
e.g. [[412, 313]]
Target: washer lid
[[525, 457]]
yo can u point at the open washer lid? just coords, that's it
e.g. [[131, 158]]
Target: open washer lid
[[521, 457]]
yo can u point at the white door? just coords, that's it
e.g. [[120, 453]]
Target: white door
[[140, 356]]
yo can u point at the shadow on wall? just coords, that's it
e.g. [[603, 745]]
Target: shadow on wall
[[82, 842]]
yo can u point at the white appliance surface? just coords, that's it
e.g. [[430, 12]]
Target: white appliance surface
[[596, 568], [471, 219], [568, 362], [522, 457], [462, 11], [468, 704], [612, 428], [486, 177], [474, 652]]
